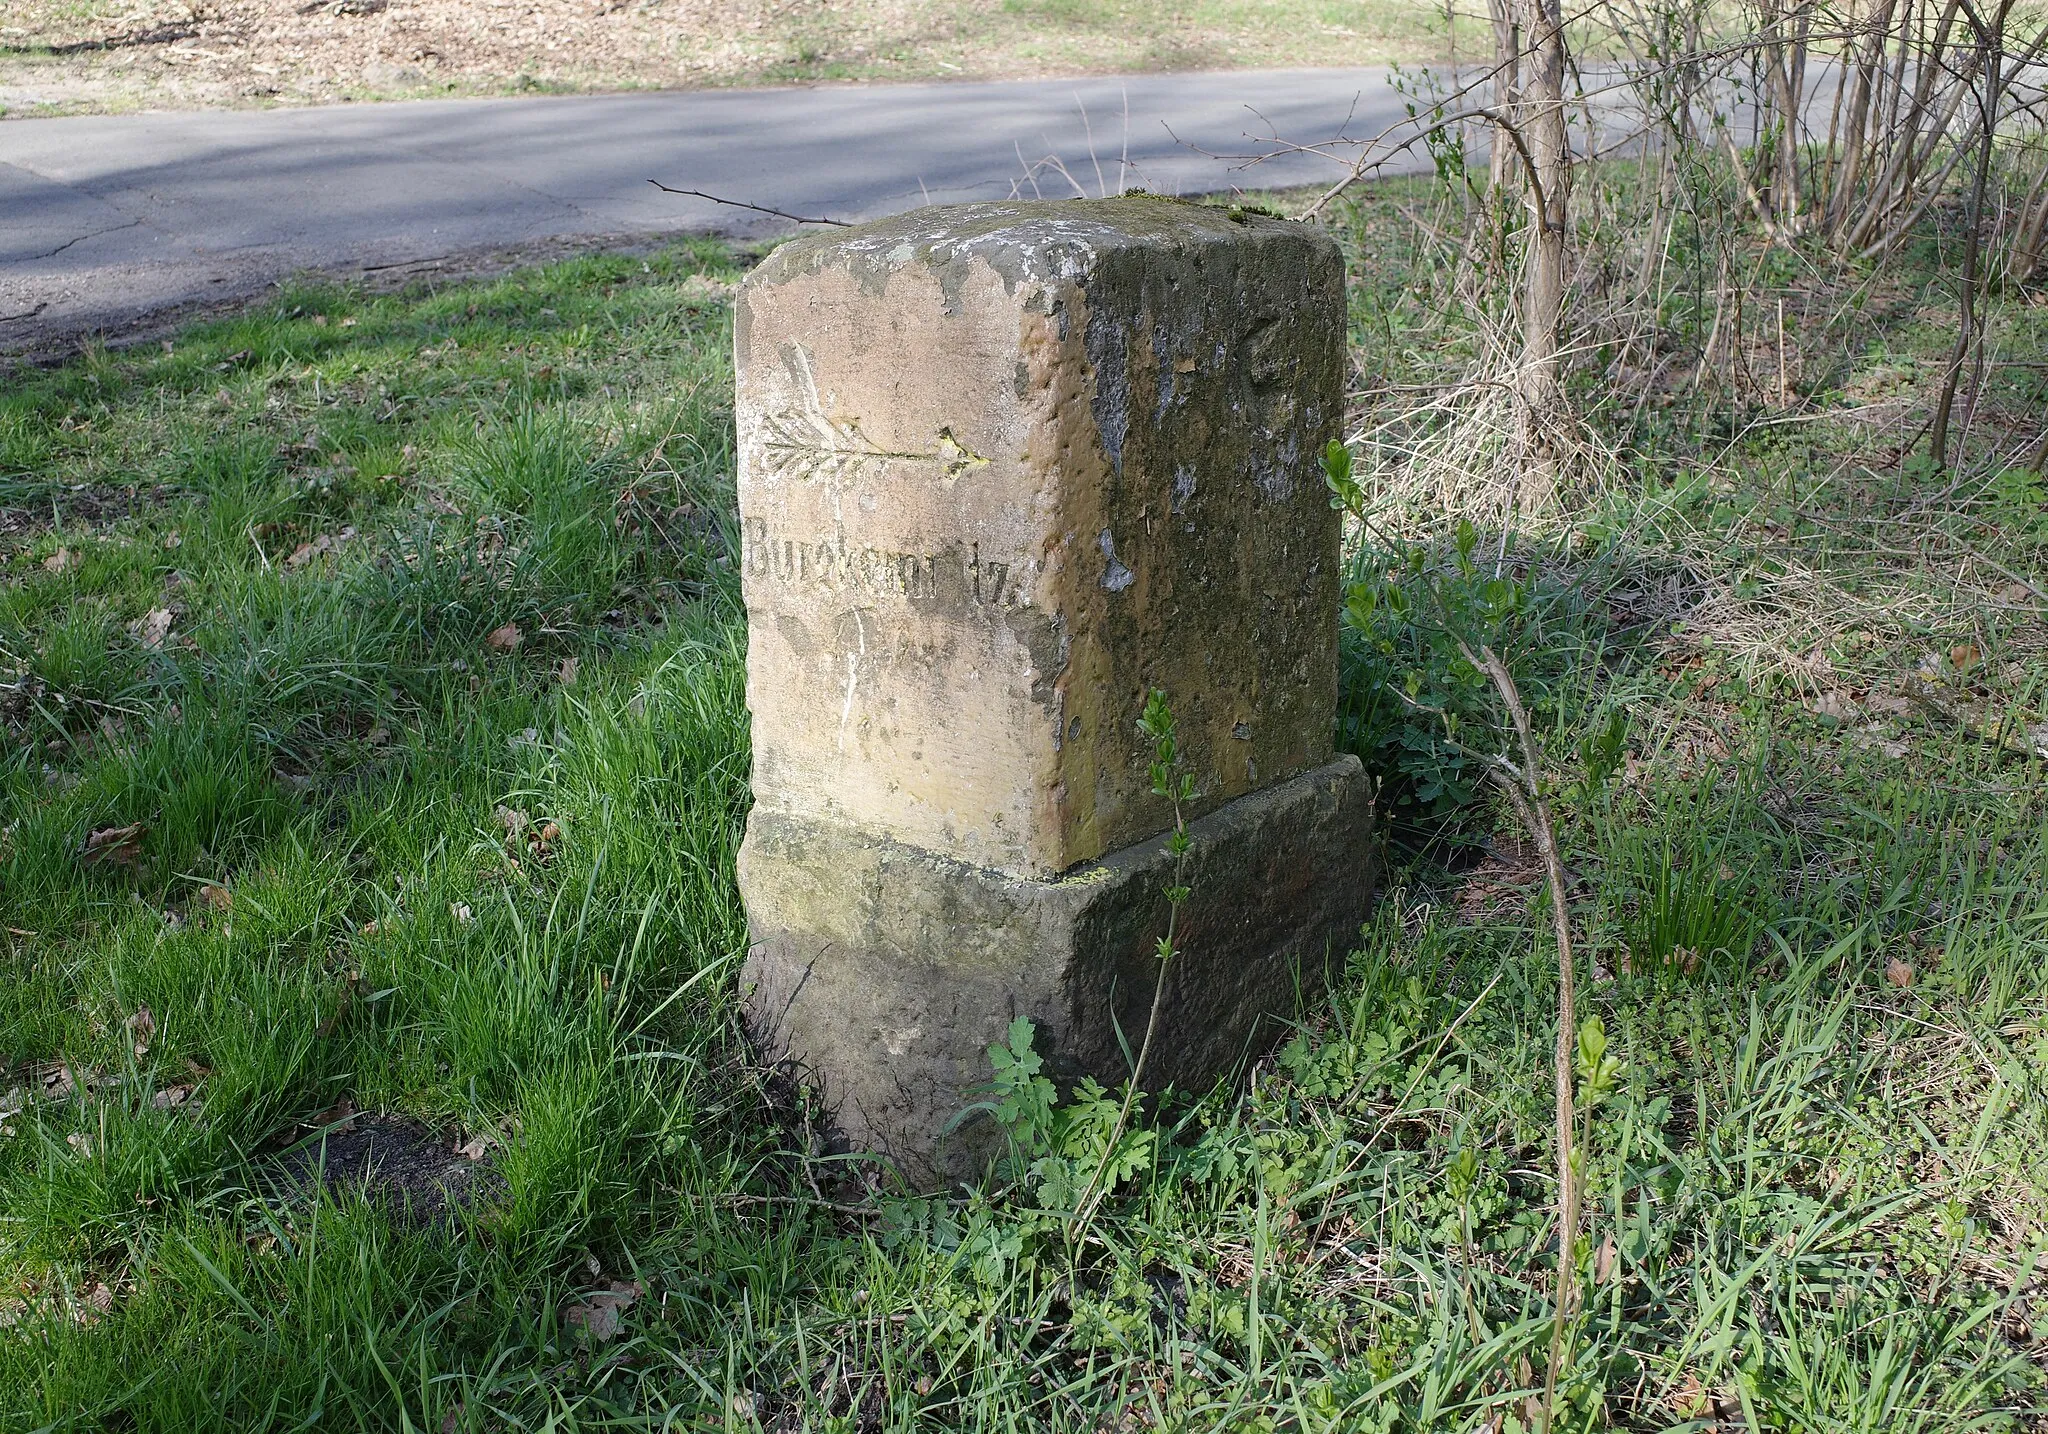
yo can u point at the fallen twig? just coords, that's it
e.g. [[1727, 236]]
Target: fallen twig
[[757, 208], [1524, 792]]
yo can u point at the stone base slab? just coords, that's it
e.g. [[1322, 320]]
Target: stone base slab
[[884, 972]]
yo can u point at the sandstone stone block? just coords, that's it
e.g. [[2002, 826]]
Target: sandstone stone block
[[1003, 469], [887, 971]]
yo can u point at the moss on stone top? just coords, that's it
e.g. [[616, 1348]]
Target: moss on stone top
[[1024, 240]]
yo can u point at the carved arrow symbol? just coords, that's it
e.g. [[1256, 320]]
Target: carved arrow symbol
[[804, 443], [808, 445]]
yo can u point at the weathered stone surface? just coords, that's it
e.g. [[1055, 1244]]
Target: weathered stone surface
[[887, 971], [1005, 467]]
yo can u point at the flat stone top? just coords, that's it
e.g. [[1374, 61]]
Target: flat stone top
[[1026, 241]]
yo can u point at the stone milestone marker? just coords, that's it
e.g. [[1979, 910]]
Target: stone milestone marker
[[1004, 468]]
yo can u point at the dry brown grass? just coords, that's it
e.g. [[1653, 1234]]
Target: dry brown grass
[[99, 55]]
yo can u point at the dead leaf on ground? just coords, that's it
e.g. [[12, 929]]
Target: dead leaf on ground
[[461, 912], [1873, 736], [79, 1141], [566, 673], [1834, 704], [58, 561], [505, 639], [215, 896], [511, 819], [335, 1116], [172, 539], [141, 1029], [122, 845], [1963, 655], [1606, 1260], [1504, 881], [1689, 1397], [474, 1148], [1898, 972], [325, 543], [343, 1004], [170, 1097], [154, 628], [600, 1316]]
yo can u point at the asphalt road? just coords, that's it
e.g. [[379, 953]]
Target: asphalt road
[[113, 224]]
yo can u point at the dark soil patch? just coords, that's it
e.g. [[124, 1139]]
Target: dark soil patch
[[29, 508], [396, 1163]]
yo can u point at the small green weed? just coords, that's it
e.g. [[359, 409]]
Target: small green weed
[[1411, 701]]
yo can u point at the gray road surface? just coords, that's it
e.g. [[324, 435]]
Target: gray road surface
[[110, 224]]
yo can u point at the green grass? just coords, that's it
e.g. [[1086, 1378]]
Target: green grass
[[1816, 1195]]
